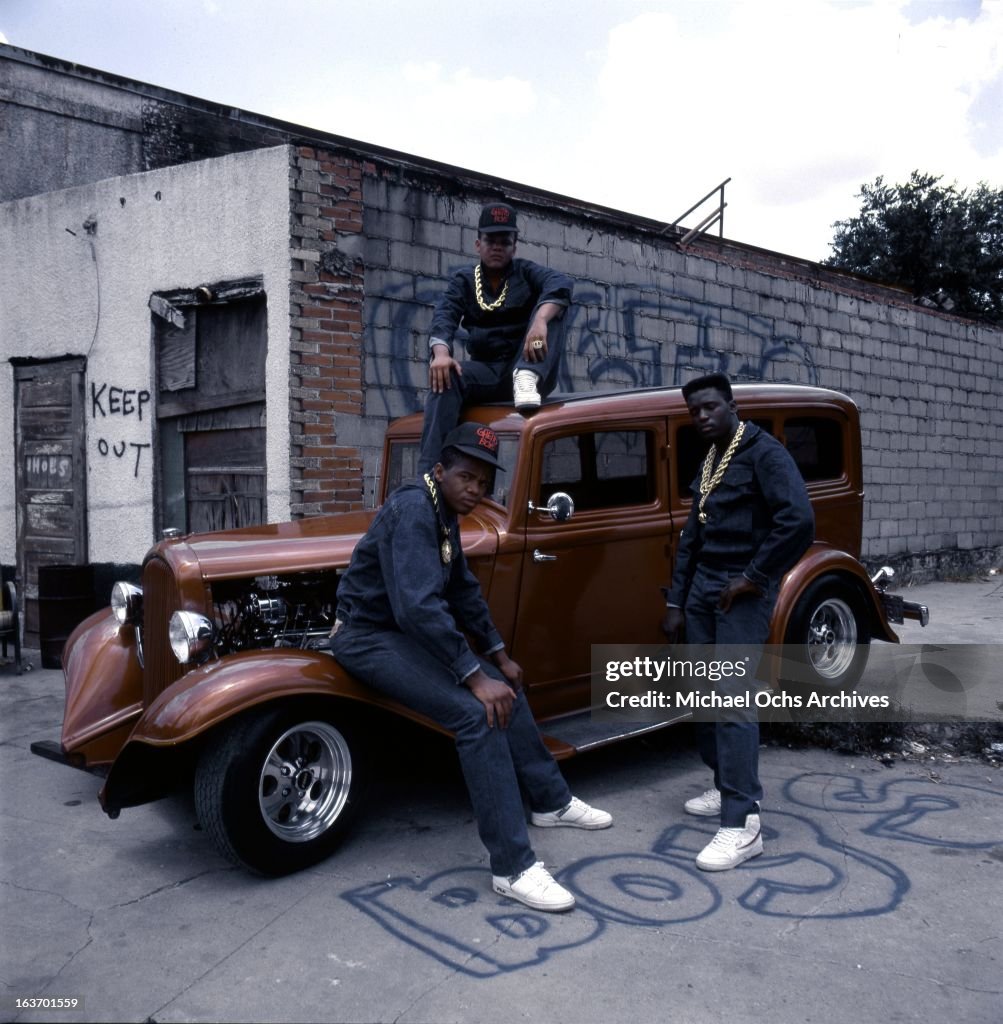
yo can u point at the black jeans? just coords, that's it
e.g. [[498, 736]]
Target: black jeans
[[499, 765], [484, 382], [730, 745]]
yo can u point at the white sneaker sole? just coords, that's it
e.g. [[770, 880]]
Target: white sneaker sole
[[703, 813], [547, 823]]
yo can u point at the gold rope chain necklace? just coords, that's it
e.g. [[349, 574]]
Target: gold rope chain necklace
[[479, 292], [708, 482], [446, 550]]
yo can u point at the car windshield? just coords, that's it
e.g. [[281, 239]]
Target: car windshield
[[404, 465]]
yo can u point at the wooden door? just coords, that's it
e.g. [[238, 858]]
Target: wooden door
[[51, 474]]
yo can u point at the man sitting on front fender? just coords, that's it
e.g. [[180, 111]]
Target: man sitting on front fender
[[404, 605]]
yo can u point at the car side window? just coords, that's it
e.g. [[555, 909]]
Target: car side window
[[403, 463], [600, 469], [816, 445]]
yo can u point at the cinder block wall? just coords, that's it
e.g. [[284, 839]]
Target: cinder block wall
[[648, 313]]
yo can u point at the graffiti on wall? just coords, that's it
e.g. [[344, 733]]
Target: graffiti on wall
[[840, 870], [605, 333], [111, 403]]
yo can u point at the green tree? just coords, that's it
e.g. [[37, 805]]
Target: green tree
[[944, 245]]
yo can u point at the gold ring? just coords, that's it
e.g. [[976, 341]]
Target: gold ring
[[538, 343]]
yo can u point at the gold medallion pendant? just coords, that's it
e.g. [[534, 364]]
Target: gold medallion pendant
[[446, 548]]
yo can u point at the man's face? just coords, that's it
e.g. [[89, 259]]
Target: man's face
[[496, 249], [713, 415], [465, 484]]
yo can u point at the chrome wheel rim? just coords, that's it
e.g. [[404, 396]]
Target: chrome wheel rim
[[832, 638], [305, 781]]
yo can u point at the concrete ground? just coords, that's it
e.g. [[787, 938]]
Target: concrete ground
[[878, 897]]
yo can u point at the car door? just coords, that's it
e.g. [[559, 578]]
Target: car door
[[593, 578]]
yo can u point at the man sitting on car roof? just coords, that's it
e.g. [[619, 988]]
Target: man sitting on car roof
[[512, 311]]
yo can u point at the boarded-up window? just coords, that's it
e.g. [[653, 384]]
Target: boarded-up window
[[211, 413]]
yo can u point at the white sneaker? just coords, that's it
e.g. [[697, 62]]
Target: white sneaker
[[525, 390], [706, 805], [536, 888], [577, 814], [731, 846]]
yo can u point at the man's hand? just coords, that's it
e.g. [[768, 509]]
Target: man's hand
[[509, 669], [672, 624], [496, 696], [534, 348], [736, 588], [441, 368]]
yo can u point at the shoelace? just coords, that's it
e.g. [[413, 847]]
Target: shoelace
[[574, 807], [726, 837], [537, 876]]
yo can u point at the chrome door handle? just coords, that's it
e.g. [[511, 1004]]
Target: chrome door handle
[[539, 556]]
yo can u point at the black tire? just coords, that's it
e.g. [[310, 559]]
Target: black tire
[[828, 637], [277, 789]]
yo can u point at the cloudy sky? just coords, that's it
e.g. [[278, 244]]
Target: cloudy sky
[[642, 106]]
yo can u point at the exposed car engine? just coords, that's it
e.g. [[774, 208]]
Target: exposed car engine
[[274, 611]]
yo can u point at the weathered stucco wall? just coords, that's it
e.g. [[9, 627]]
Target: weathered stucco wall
[[72, 125], [67, 289]]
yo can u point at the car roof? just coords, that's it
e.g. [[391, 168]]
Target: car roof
[[637, 401]]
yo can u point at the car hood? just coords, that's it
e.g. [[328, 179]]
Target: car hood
[[302, 545]]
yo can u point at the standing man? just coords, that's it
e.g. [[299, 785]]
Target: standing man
[[404, 606], [751, 521], [511, 310]]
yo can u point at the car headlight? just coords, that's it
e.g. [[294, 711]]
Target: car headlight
[[191, 636], [127, 603]]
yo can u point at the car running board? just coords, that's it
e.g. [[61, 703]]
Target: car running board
[[574, 734], [52, 751]]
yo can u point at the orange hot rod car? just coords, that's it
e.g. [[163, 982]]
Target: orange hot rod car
[[220, 660]]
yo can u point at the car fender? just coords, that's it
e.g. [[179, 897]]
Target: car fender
[[822, 560], [211, 694], [104, 689]]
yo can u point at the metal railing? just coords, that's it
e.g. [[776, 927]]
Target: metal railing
[[715, 216]]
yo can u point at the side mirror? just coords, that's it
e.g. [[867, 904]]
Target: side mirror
[[561, 506]]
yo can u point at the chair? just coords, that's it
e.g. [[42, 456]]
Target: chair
[[10, 625]]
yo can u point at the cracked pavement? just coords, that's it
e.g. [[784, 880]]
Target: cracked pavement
[[877, 897]]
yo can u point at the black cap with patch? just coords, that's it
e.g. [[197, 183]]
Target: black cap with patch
[[477, 441], [497, 217]]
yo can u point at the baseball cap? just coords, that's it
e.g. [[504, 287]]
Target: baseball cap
[[497, 217], [477, 441]]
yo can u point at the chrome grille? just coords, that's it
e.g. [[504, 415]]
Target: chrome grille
[[161, 598]]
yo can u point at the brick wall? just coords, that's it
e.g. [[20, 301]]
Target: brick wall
[[326, 331], [648, 313]]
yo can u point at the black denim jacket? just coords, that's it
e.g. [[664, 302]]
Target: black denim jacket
[[494, 335], [398, 581], [759, 518]]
